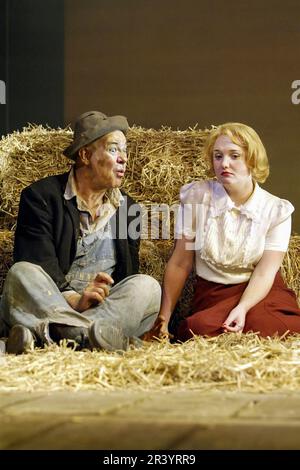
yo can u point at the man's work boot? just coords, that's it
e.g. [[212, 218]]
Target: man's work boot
[[20, 340], [74, 333], [108, 337]]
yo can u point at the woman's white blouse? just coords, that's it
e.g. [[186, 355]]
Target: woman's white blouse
[[230, 240]]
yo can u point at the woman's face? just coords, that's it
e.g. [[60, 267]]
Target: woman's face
[[229, 163]]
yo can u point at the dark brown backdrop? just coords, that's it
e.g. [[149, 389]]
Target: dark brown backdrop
[[178, 63]]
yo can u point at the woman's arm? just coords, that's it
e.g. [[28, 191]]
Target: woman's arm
[[177, 270], [258, 288]]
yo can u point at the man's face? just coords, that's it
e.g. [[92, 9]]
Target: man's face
[[108, 160]]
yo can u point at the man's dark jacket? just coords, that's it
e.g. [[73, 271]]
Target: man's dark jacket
[[48, 229]]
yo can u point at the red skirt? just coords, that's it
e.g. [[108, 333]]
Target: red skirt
[[276, 314]]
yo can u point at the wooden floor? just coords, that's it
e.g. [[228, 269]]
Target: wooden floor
[[149, 420]]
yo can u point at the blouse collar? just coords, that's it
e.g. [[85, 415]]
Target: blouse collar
[[222, 201]]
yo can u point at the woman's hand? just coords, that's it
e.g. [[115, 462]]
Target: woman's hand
[[259, 286], [159, 330], [95, 293], [235, 321]]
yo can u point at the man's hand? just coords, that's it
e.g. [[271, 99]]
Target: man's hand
[[235, 321], [94, 294]]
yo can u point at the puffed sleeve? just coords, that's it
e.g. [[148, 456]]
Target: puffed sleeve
[[192, 196], [278, 235]]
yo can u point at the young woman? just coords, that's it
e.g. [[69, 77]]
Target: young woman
[[236, 234]]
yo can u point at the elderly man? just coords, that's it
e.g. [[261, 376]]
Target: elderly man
[[76, 251]]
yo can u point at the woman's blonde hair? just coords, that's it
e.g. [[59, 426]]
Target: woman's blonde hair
[[248, 139]]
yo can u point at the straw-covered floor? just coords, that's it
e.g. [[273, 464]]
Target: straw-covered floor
[[229, 362]]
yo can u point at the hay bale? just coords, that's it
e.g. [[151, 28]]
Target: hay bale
[[25, 157], [291, 265], [161, 161], [154, 256]]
